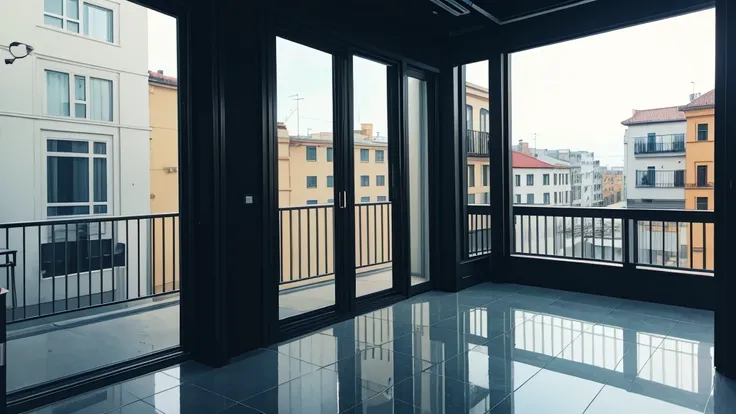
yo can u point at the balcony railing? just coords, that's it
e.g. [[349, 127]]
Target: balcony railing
[[659, 144], [477, 142], [673, 239], [660, 178], [58, 266], [479, 230]]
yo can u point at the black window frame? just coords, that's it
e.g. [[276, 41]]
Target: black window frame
[[307, 151]]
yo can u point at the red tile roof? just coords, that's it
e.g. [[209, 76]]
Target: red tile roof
[[162, 79], [521, 160], [652, 116], [707, 100]]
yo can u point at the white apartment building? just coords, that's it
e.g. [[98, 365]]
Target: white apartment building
[[654, 144], [539, 182], [74, 140]]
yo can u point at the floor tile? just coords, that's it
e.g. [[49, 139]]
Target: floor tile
[[187, 370], [693, 332], [240, 409], [438, 394], [94, 402], [654, 309], [188, 398], [138, 407], [384, 403], [318, 392], [255, 373]]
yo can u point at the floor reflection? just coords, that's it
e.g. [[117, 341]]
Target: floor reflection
[[491, 348]]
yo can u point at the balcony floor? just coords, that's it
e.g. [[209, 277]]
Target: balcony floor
[[70, 344], [491, 348]]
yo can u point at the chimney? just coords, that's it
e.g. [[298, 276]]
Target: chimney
[[694, 96], [524, 147], [281, 130], [367, 130], [160, 72]]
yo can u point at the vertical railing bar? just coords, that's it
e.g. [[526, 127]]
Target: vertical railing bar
[[705, 247], [152, 223], [113, 243], [593, 227], [25, 301], [281, 246], [537, 219], [99, 245], [692, 248], [360, 234], [66, 266], [546, 251], [127, 261], [316, 232], [299, 240], [564, 237], [89, 263], [291, 245], [554, 235], [79, 284], [53, 270], [375, 235], [174, 245], [309, 242], [163, 252], [138, 253], [677, 244], [664, 243], [529, 219], [390, 232], [383, 234], [40, 270], [327, 243], [522, 233]]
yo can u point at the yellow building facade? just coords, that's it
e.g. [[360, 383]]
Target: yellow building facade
[[700, 173], [164, 164]]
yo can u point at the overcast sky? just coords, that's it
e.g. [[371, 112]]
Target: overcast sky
[[575, 94], [571, 95]]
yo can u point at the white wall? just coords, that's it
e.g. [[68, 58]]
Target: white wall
[[538, 189], [659, 161], [25, 126]]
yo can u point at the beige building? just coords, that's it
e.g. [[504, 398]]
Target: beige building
[[476, 118], [164, 164]]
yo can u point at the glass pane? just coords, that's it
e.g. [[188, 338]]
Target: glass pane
[[53, 21], [304, 104], [100, 180], [58, 145], [80, 110], [98, 22], [65, 168], [57, 93], [53, 6], [72, 10], [418, 192], [373, 244], [67, 179], [72, 26], [100, 98], [67, 211], [80, 89]]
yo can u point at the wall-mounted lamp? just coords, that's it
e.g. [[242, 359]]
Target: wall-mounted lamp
[[18, 50]]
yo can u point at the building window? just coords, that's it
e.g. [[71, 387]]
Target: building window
[[567, 197], [330, 154], [555, 179], [701, 203], [62, 14], [702, 175], [380, 180], [379, 155], [381, 198], [546, 198], [365, 181], [364, 155], [530, 179], [330, 181], [468, 116], [471, 175], [530, 198], [483, 120], [555, 199], [702, 132], [567, 179], [486, 171], [518, 198], [98, 23], [365, 199], [311, 153], [545, 179], [92, 97], [77, 178], [486, 198], [330, 201], [311, 202], [517, 180], [471, 198], [311, 181]]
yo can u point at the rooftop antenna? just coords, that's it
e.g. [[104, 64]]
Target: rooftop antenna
[[693, 82], [296, 98]]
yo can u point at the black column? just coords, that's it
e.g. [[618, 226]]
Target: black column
[[203, 188], [725, 199], [499, 147]]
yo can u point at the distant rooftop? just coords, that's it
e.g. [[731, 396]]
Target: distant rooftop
[[161, 79], [521, 160], [707, 100], [654, 116]]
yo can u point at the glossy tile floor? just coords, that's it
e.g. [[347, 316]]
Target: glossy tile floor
[[491, 348]]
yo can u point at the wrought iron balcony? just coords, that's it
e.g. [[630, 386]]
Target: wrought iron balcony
[[660, 178], [477, 143], [657, 144]]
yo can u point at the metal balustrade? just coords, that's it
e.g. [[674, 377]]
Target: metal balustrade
[[76, 263], [672, 239], [659, 144], [477, 143]]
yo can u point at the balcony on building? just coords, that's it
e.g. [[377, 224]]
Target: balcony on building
[[660, 178], [477, 143], [659, 144]]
